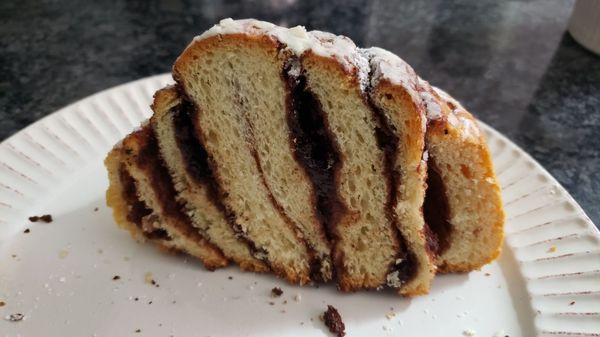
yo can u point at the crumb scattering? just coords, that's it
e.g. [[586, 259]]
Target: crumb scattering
[[47, 218], [230, 277], [27, 230], [573, 302], [96, 209], [552, 249], [276, 292], [138, 330], [390, 315], [16, 317], [333, 321], [297, 298], [116, 277], [2, 303]]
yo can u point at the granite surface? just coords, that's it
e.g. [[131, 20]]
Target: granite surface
[[511, 62]]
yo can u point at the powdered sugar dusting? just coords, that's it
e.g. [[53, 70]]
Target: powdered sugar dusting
[[298, 41], [343, 50], [388, 66], [434, 110]]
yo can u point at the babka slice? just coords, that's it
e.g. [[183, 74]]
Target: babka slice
[[143, 199], [463, 202], [235, 83], [299, 153], [394, 94], [192, 179], [366, 245]]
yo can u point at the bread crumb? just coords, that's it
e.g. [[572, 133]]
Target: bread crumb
[[297, 298], [63, 253], [390, 315], [333, 321], [552, 249], [276, 292], [150, 280], [16, 317], [47, 218], [2, 303], [469, 333]]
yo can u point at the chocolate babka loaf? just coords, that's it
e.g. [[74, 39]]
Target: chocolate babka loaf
[[298, 153]]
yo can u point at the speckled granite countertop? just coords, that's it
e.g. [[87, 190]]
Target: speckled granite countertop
[[512, 63]]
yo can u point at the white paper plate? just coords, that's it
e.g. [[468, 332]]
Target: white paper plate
[[60, 275]]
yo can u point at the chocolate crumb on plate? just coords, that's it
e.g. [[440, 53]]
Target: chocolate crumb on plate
[[47, 218], [276, 292], [16, 317], [27, 230], [230, 277], [572, 303], [2, 303], [138, 330], [116, 277], [96, 209], [334, 322]]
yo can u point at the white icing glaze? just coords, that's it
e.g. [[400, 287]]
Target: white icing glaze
[[387, 65], [298, 41], [432, 104]]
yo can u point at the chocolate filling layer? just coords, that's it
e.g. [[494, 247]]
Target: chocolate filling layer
[[196, 164], [436, 210], [315, 151], [137, 208], [149, 160], [406, 262], [314, 148]]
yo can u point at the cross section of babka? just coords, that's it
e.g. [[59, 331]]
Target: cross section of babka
[[298, 153]]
